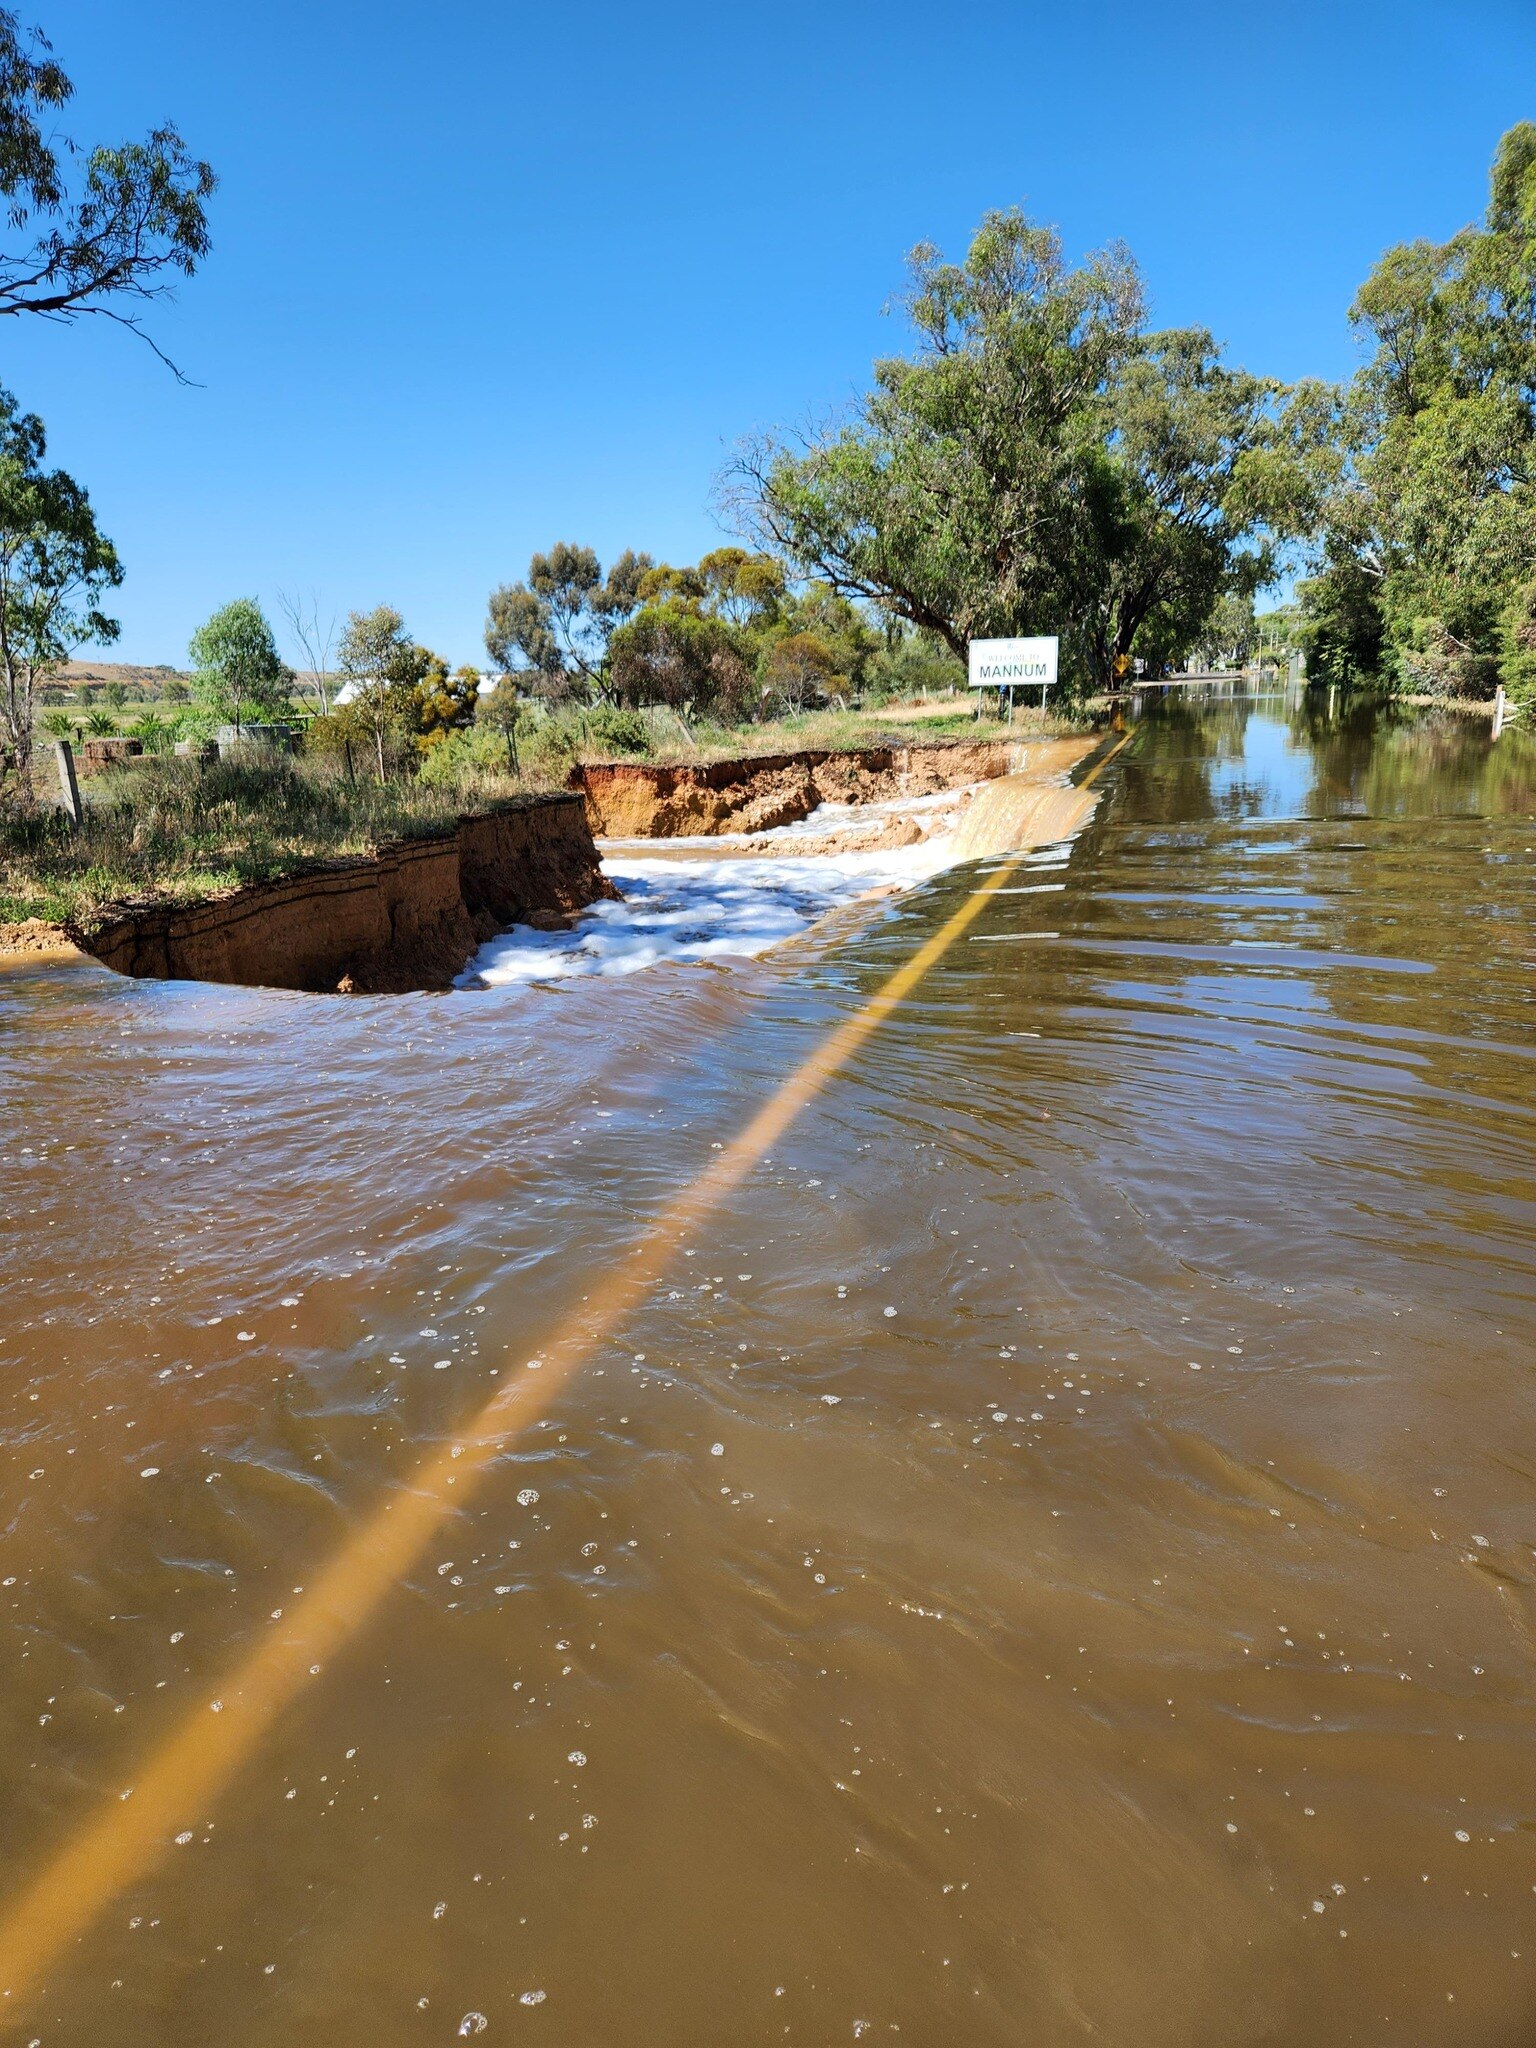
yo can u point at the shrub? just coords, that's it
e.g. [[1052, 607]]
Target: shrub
[[1518, 643]]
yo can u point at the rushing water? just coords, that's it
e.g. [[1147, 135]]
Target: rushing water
[[718, 898], [1053, 1564]]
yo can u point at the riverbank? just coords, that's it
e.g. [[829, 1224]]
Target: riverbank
[[408, 914]]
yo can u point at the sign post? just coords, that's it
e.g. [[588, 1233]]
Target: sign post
[[1009, 665]]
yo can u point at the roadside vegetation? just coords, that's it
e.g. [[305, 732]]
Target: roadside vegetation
[[187, 829]]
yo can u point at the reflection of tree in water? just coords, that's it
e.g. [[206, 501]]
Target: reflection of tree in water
[[1342, 741], [1383, 760], [1368, 757], [1169, 782]]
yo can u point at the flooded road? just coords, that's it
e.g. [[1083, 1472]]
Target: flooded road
[[1051, 1560]]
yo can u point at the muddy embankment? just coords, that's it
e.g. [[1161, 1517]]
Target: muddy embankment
[[408, 916], [756, 793]]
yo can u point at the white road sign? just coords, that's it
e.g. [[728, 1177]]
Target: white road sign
[[1010, 664]]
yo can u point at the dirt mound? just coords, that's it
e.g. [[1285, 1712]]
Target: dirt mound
[[644, 800], [33, 938]]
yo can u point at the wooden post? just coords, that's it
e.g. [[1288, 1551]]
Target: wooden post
[[69, 788]]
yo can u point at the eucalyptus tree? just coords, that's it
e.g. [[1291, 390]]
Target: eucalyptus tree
[[1041, 462], [1426, 523], [238, 675], [382, 666], [55, 568], [555, 628], [97, 230]]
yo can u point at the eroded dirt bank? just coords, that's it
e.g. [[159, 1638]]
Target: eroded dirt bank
[[409, 916], [644, 800]]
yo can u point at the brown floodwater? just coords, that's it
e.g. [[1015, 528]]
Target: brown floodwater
[[1050, 1561]]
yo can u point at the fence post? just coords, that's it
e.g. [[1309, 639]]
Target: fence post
[[69, 788]]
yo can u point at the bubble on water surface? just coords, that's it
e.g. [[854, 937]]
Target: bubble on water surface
[[888, 1311], [717, 1450], [528, 1497], [473, 2023], [532, 1997]]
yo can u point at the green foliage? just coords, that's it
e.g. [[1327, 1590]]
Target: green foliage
[[801, 671], [671, 653], [1230, 633], [911, 664], [745, 590], [1427, 524], [92, 230], [154, 733], [501, 712], [1041, 463], [382, 669], [1341, 629], [114, 695], [238, 676], [554, 630], [1518, 642], [55, 568], [444, 703]]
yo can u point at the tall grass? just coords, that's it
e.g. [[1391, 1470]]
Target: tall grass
[[186, 829]]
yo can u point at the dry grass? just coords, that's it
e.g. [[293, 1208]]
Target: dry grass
[[890, 724], [185, 829]]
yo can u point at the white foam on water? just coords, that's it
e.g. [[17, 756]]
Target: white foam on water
[[715, 902], [700, 909]]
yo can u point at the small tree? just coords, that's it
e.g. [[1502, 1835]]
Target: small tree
[[315, 638], [444, 703], [238, 674], [382, 666], [114, 695], [669, 653], [801, 670], [55, 566], [502, 711]]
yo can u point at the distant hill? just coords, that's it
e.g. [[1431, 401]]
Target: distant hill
[[135, 678]]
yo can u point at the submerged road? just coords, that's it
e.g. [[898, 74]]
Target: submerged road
[[1028, 1544]]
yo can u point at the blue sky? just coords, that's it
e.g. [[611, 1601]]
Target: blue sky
[[486, 276]]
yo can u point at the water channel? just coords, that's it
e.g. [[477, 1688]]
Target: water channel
[[1051, 1562]]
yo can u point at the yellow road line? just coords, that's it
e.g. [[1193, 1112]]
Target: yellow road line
[[187, 1772]]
